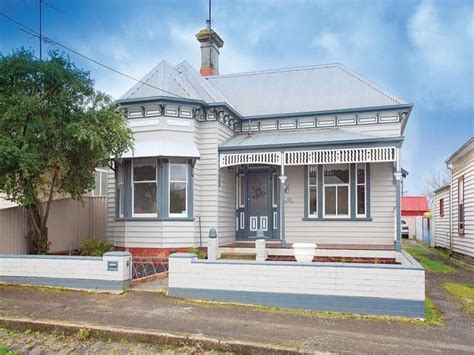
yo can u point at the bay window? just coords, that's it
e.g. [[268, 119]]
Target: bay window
[[154, 188], [144, 188], [336, 190]]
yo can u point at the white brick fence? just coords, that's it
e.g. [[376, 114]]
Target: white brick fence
[[110, 272], [341, 287]]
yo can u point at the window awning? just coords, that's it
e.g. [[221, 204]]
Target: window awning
[[163, 148]]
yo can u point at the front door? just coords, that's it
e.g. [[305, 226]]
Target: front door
[[259, 204]]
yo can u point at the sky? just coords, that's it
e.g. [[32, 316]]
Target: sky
[[421, 51]]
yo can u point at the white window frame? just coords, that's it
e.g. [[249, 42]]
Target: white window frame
[[102, 173], [155, 214], [315, 214], [185, 212], [341, 216], [357, 184]]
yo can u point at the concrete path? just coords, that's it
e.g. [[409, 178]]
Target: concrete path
[[152, 313]]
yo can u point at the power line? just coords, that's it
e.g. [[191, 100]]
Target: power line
[[50, 40]]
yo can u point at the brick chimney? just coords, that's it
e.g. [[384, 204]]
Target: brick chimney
[[209, 51]]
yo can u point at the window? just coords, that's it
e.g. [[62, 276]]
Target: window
[[100, 177], [178, 181], [461, 205], [441, 207], [336, 190], [241, 190], [144, 188], [313, 191], [275, 190], [120, 190], [361, 190]]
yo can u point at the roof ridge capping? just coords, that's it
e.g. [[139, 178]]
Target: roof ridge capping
[[371, 84], [271, 71]]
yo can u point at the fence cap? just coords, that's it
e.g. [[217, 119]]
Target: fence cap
[[117, 253], [212, 233]]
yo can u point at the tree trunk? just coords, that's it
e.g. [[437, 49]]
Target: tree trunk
[[39, 236]]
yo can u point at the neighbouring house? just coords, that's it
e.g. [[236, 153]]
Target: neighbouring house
[[413, 212], [454, 205], [306, 154]]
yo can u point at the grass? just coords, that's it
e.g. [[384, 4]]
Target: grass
[[422, 255], [464, 293], [432, 314]]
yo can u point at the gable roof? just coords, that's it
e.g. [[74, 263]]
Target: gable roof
[[414, 205], [288, 91]]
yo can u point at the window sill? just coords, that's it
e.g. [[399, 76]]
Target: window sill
[[177, 219], [345, 219]]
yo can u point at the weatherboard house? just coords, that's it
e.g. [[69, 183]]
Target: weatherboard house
[[306, 154]]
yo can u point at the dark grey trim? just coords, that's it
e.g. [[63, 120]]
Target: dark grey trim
[[352, 191], [306, 191], [332, 112], [67, 283], [136, 219], [320, 190], [327, 303], [127, 187], [362, 143], [351, 219]]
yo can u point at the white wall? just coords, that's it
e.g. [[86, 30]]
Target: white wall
[[69, 271]]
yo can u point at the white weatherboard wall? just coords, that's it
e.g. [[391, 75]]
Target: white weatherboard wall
[[344, 287], [441, 224], [110, 272]]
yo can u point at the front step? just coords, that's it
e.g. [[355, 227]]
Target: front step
[[236, 256]]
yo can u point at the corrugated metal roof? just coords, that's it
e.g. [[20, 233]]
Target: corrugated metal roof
[[272, 92], [295, 138], [414, 205], [304, 89]]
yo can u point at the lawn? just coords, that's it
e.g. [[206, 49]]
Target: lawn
[[422, 255], [464, 293]]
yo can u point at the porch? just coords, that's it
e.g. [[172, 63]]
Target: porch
[[343, 199]]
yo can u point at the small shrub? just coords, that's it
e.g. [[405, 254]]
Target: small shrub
[[95, 247], [198, 252], [83, 334]]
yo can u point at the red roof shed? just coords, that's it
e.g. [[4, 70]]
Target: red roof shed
[[414, 205]]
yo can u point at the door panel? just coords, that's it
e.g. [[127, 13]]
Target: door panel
[[258, 187]]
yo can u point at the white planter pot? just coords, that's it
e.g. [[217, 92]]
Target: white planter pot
[[304, 252]]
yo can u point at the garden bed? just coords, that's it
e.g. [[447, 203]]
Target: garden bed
[[331, 259]]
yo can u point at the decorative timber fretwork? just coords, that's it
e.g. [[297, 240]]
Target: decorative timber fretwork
[[269, 158], [309, 157]]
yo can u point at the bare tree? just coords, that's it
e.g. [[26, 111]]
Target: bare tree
[[436, 179]]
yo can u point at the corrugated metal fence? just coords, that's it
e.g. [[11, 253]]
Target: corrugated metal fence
[[69, 224]]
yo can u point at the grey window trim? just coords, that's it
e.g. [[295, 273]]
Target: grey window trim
[[352, 195], [162, 193]]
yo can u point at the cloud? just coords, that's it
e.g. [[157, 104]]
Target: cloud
[[442, 50]]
